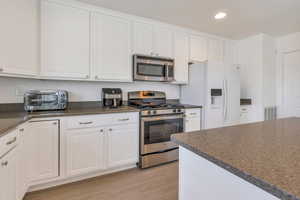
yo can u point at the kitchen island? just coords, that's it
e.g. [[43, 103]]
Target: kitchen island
[[258, 161]]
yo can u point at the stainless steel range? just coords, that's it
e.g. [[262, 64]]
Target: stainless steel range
[[159, 121]]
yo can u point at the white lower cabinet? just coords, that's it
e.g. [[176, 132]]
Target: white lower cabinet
[[85, 151], [108, 141], [43, 150], [192, 120], [46, 152], [122, 145], [22, 164], [8, 176]]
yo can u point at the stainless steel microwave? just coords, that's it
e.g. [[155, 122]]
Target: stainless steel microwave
[[38, 100], [148, 68]]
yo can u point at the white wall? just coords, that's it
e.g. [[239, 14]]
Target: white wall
[[285, 45], [257, 59], [79, 91]]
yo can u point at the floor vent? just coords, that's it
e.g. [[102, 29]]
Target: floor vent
[[270, 113]]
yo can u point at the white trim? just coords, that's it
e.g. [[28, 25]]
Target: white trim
[[62, 181], [280, 60]]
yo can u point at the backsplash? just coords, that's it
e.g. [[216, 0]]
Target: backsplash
[[12, 89]]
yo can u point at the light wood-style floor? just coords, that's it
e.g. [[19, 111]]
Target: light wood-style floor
[[159, 183]]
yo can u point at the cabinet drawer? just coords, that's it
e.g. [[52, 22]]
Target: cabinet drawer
[[193, 112], [245, 109], [125, 118], [7, 142], [91, 121]]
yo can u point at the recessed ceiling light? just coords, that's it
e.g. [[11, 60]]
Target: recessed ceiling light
[[220, 15]]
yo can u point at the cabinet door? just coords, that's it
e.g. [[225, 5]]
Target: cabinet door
[[19, 33], [215, 50], [22, 163], [198, 48], [181, 55], [163, 42], [143, 38], [65, 41], [192, 124], [85, 151], [43, 151], [122, 145], [112, 56], [8, 176]]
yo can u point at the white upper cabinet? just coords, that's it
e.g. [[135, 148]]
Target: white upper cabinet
[[153, 40], [198, 48], [163, 42], [19, 37], [112, 48], [143, 38], [181, 55], [65, 41], [216, 50]]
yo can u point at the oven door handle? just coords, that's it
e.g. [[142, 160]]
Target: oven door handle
[[162, 118]]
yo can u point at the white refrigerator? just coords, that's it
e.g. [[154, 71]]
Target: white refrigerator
[[216, 87]]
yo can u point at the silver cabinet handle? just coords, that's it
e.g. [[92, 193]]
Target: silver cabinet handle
[[85, 123], [96, 77], [193, 113], [12, 141], [87, 76], [4, 164], [110, 129], [54, 123], [125, 119]]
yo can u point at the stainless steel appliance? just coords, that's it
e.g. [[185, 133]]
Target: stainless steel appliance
[[112, 97], [159, 121], [39, 100], [148, 68]]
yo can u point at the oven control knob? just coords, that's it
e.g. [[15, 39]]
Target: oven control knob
[[154, 112], [149, 112], [174, 111], [179, 110]]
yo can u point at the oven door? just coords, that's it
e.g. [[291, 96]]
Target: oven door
[[156, 132]]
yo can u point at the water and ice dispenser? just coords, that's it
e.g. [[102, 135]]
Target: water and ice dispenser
[[216, 97]]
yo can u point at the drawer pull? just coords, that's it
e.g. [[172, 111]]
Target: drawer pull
[[85, 123], [4, 164], [22, 130], [193, 113], [123, 120], [12, 141]]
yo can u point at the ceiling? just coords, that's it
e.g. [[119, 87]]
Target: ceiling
[[245, 18]]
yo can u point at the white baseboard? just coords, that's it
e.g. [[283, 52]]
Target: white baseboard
[[67, 180]]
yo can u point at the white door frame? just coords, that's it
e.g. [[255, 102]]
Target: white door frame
[[281, 84]]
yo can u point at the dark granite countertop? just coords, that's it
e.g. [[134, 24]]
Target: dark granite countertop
[[266, 154], [10, 119], [12, 115]]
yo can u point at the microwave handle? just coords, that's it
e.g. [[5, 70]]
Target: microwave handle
[[167, 72]]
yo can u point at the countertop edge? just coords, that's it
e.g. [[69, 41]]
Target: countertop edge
[[279, 193], [27, 117]]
